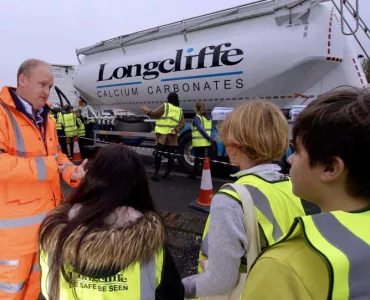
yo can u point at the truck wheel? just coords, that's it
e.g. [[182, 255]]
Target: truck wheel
[[186, 160]]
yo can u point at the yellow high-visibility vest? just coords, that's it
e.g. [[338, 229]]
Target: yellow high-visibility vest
[[81, 128], [342, 239], [139, 281], [69, 121], [275, 204], [169, 120], [198, 139], [59, 121]]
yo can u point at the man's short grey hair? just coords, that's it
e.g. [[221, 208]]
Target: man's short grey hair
[[29, 65]]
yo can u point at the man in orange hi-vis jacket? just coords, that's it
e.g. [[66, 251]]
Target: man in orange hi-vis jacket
[[31, 162]]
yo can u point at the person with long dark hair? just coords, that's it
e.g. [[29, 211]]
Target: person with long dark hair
[[107, 241]]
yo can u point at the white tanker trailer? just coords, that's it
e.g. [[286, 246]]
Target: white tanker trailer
[[284, 51]]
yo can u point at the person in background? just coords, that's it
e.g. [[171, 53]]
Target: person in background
[[56, 115], [81, 133], [327, 255], [31, 163], [170, 121], [254, 135], [107, 241], [69, 122], [201, 131]]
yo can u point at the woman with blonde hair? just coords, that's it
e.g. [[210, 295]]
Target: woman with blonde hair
[[254, 134], [201, 133]]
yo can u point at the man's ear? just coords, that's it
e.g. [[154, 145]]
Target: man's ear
[[22, 80], [333, 170]]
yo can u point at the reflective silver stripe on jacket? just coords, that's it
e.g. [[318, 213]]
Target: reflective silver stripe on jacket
[[148, 282], [13, 262], [356, 250], [36, 268], [264, 206], [11, 287], [41, 168], [21, 222], [19, 141]]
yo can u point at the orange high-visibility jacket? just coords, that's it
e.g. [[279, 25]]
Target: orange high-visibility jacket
[[29, 178]]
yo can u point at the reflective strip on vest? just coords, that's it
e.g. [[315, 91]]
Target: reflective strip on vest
[[9, 262], [19, 141], [287, 208], [166, 123], [148, 280], [198, 139], [11, 287], [346, 253], [21, 222], [263, 204]]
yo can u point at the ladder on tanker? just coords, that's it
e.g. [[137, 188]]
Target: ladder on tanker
[[354, 11]]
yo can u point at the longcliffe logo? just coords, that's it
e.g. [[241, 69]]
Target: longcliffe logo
[[220, 57]]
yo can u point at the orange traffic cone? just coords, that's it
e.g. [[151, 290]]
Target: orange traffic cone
[[206, 189], [76, 158]]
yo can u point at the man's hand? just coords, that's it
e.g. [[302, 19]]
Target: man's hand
[[61, 167], [145, 108], [79, 172]]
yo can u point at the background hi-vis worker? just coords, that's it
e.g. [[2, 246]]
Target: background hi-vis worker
[[170, 121], [201, 131], [69, 122], [81, 133], [326, 255], [56, 114], [30, 165]]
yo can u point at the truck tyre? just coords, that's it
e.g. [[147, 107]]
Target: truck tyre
[[185, 159]]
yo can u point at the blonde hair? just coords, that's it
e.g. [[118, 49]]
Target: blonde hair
[[258, 129], [198, 106]]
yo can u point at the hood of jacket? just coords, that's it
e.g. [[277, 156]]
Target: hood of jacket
[[127, 237]]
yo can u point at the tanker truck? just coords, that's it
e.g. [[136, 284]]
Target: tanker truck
[[285, 51]]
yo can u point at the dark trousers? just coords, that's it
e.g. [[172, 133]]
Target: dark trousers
[[62, 141], [170, 152], [82, 143], [199, 152]]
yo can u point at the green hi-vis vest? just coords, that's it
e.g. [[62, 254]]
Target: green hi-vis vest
[[53, 118], [169, 120], [137, 282], [81, 128], [70, 124], [275, 204], [59, 121], [197, 138], [342, 239]]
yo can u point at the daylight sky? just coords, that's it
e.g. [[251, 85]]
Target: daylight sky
[[51, 30]]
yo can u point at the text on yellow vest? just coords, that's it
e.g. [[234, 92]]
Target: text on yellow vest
[[138, 281]]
